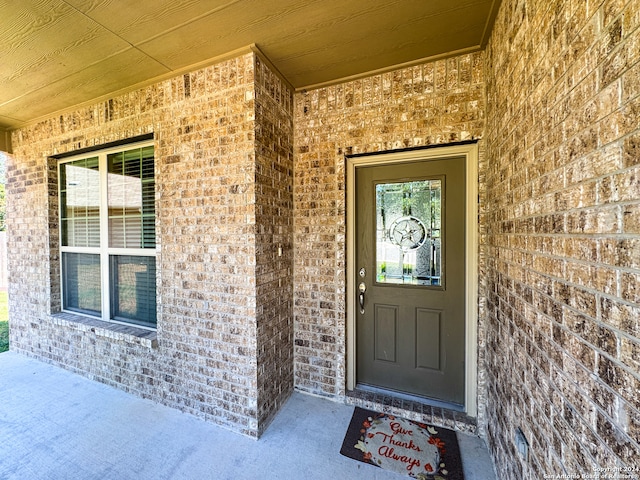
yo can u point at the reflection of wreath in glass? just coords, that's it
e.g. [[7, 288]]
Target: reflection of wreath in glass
[[408, 233]]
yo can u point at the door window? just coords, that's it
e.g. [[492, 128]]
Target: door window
[[409, 232]]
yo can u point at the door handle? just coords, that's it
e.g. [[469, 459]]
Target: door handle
[[361, 289]]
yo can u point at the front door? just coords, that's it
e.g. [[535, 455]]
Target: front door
[[410, 258]]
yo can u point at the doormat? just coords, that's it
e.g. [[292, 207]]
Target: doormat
[[404, 446]]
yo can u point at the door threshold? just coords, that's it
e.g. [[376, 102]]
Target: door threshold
[[409, 397], [412, 407]]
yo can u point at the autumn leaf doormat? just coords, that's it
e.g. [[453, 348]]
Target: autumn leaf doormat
[[415, 449]]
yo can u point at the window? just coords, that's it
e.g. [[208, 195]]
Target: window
[[409, 232], [107, 234]]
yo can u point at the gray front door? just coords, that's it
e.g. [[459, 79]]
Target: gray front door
[[410, 257]]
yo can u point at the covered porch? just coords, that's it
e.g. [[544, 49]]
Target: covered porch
[[58, 425]]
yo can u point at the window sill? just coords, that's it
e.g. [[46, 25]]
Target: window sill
[[115, 331]]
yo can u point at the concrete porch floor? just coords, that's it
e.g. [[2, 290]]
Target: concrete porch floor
[[57, 425]]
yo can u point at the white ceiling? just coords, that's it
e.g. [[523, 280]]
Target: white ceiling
[[55, 54]]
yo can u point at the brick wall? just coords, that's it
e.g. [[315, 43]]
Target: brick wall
[[563, 268], [435, 103], [274, 232], [217, 328], [241, 186]]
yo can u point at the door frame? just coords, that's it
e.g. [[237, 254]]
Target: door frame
[[470, 152]]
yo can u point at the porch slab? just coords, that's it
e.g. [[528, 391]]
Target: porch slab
[[57, 425]]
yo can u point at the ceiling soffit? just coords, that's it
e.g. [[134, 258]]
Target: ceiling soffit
[[59, 54]]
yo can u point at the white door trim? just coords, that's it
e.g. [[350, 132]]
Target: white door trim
[[470, 152]]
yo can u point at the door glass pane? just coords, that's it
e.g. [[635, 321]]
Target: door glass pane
[[131, 187], [409, 232], [81, 283], [80, 203], [133, 289]]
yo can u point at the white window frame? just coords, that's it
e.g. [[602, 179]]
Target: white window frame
[[104, 251]]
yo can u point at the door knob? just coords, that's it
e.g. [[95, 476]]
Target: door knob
[[361, 289]]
